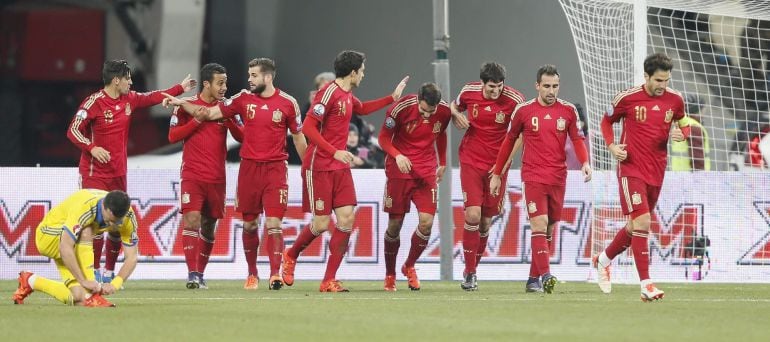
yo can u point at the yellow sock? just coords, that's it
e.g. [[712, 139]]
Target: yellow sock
[[54, 289], [85, 255]]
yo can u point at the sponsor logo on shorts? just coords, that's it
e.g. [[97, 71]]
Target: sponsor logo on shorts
[[532, 207], [465, 197], [388, 202], [185, 198], [319, 204], [636, 198]]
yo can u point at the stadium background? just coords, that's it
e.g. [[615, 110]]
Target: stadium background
[[303, 37]]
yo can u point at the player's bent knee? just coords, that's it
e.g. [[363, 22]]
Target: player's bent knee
[[473, 214]]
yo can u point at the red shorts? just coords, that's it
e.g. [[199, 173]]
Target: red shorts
[[262, 185], [327, 190], [637, 197], [400, 192], [544, 199], [475, 184], [106, 184], [208, 198]]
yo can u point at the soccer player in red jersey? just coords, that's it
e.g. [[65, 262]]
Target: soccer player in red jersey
[[647, 112], [412, 127], [263, 185], [489, 104], [203, 170], [326, 166], [545, 124], [100, 130]]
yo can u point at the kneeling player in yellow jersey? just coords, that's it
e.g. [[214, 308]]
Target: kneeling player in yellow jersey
[[66, 236]]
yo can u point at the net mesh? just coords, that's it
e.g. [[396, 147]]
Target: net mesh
[[721, 53]]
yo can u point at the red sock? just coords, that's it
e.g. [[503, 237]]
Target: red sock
[[204, 252], [338, 246], [275, 248], [98, 247], [190, 247], [533, 272], [471, 241], [419, 242], [305, 238], [540, 253], [391, 252], [641, 252], [619, 244], [113, 251], [482, 246], [251, 248]]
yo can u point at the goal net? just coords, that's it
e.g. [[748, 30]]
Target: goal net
[[721, 53]]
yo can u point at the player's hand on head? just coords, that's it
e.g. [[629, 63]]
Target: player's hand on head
[[494, 184], [676, 134], [343, 156], [619, 151], [188, 83], [400, 88], [404, 164], [460, 121], [101, 155]]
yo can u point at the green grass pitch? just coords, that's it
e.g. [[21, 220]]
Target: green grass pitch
[[441, 311]]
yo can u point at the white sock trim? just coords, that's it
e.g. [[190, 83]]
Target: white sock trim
[[604, 261]]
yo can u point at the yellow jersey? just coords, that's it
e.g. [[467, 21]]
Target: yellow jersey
[[81, 210]]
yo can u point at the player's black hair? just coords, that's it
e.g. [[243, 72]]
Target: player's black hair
[[118, 203], [492, 72], [209, 70], [430, 93], [115, 68], [266, 65], [657, 61], [347, 61], [548, 69]]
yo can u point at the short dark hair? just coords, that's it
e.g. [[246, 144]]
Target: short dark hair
[[266, 65], [657, 61], [347, 61], [117, 202], [548, 69], [209, 70], [492, 72], [430, 93], [115, 68]]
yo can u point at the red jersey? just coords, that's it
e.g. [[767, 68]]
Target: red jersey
[[103, 121], [646, 124], [545, 130], [488, 123], [205, 143], [405, 131], [265, 121], [332, 107]]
